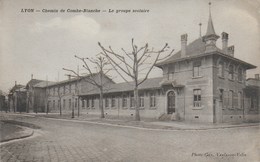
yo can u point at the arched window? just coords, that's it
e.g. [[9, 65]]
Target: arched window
[[240, 100]]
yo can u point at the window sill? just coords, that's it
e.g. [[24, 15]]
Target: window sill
[[231, 108], [196, 77], [197, 108], [221, 77], [232, 80]]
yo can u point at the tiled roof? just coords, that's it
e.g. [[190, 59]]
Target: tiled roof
[[33, 82], [152, 83], [43, 84]]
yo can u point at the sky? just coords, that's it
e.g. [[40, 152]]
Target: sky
[[42, 43]]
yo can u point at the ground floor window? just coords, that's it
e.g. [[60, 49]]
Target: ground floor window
[[106, 102], [253, 102], [230, 99], [124, 101], [64, 103], [141, 100], [83, 103], [76, 102], [69, 103], [132, 101], [152, 99], [53, 104], [197, 97], [87, 103], [240, 100], [113, 101], [92, 102]]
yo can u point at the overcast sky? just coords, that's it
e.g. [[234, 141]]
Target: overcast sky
[[43, 43]]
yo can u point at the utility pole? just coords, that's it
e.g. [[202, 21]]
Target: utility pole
[[73, 97], [77, 89]]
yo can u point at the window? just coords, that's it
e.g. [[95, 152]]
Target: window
[[92, 102], [76, 102], [69, 88], [69, 103], [64, 103], [132, 101], [171, 70], [64, 90], [231, 72], [83, 103], [152, 99], [230, 99], [253, 102], [196, 69], [221, 69], [124, 101], [141, 100], [113, 101], [87, 102], [240, 100], [58, 103], [197, 98], [221, 95], [53, 104], [240, 74], [106, 102]]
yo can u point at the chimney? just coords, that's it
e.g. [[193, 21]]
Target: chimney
[[231, 50], [15, 83], [184, 39], [257, 77], [31, 76], [224, 41]]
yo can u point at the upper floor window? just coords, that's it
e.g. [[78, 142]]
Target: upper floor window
[[231, 72], [171, 70], [221, 69], [197, 97], [221, 94], [64, 89], [196, 68], [240, 74]]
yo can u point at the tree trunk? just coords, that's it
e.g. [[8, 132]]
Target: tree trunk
[[137, 115], [60, 107], [101, 103]]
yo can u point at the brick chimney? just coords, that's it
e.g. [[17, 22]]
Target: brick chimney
[[184, 39], [224, 41], [231, 50], [257, 77], [31, 76]]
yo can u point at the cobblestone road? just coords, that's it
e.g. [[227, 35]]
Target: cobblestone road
[[80, 141]]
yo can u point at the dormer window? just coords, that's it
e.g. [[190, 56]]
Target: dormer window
[[196, 68]]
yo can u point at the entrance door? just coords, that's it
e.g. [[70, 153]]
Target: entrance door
[[171, 102]]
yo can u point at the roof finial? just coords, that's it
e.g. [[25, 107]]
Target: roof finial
[[210, 8], [200, 28]]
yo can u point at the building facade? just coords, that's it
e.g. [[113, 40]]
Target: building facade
[[200, 83]]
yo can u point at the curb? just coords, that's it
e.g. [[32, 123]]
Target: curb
[[27, 132], [170, 128]]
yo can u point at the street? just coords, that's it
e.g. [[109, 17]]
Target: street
[[61, 140]]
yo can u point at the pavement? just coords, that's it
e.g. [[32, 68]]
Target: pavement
[[11, 131], [144, 123], [96, 140]]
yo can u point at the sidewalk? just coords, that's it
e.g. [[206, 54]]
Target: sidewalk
[[10, 131], [145, 123]]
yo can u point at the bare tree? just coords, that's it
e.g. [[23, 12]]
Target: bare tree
[[130, 64], [95, 78]]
